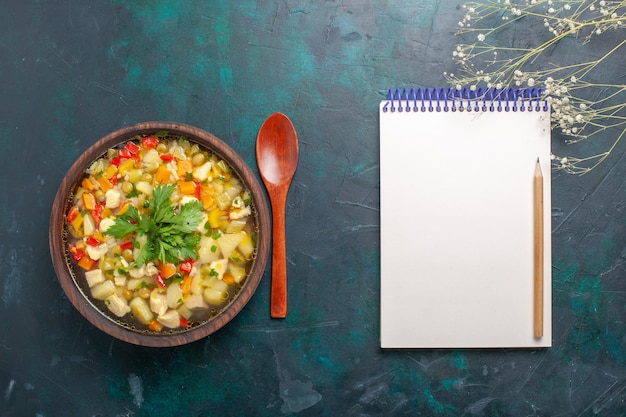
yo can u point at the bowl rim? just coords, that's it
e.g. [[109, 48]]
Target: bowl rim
[[58, 250]]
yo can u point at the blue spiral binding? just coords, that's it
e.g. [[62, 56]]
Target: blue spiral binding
[[465, 100]]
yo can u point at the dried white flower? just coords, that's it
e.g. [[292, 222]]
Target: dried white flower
[[529, 66]]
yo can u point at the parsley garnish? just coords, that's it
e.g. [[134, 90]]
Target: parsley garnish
[[169, 233]]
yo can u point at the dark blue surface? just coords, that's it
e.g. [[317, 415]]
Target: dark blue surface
[[72, 71]]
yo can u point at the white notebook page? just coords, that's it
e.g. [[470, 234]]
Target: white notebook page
[[457, 228]]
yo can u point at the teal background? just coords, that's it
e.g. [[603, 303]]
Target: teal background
[[72, 71]]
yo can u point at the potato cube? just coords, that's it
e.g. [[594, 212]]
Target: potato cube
[[195, 301], [103, 290], [117, 305], [141, 310], [174, 295], [94, 277], [170, 319], [158, 302]]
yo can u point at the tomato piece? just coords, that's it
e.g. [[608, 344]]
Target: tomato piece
[[132, 148], [116, 161], [97, 213], [124, 153], [92, 241], [72, 214], [127, 245], [186, 266], [149, 142], [167, 157], [184, 323]]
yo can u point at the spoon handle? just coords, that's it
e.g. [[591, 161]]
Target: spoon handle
[[278, 297]]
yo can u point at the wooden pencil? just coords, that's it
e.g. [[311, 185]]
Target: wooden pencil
[[538, 258]]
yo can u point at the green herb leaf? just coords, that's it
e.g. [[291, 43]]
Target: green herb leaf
[[164, 233]]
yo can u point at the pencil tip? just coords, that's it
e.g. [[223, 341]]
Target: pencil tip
[[537, 159]]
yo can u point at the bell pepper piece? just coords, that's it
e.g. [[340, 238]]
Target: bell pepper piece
[[98, 235], [92, 241], [97, 213], [214, 218], [105, 184], [126, 166], [76, 252], [187, 187], [89, 201], [185, 285], [155, 326], [167, 270], [228, 278], [184, 323], [160, 281], [207, 200], [183, 167], [116, 161], [162, 175], [77, 223], [111, 169], [87, 184], [123, 208], [167, 157], [86, 262]]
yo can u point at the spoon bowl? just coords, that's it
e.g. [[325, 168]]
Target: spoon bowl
[[277, 155]]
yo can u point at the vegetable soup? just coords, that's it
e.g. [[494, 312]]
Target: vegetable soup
[[164, 231]]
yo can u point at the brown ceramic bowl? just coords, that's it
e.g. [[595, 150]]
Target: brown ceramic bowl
[[72, 279]]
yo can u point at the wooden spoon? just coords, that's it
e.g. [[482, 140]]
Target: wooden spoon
[[277, 158]]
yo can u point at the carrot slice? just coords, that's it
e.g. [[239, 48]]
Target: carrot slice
[[89, 201], [167, 269]]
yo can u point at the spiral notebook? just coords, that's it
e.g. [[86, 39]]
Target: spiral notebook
[[461, 216]]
